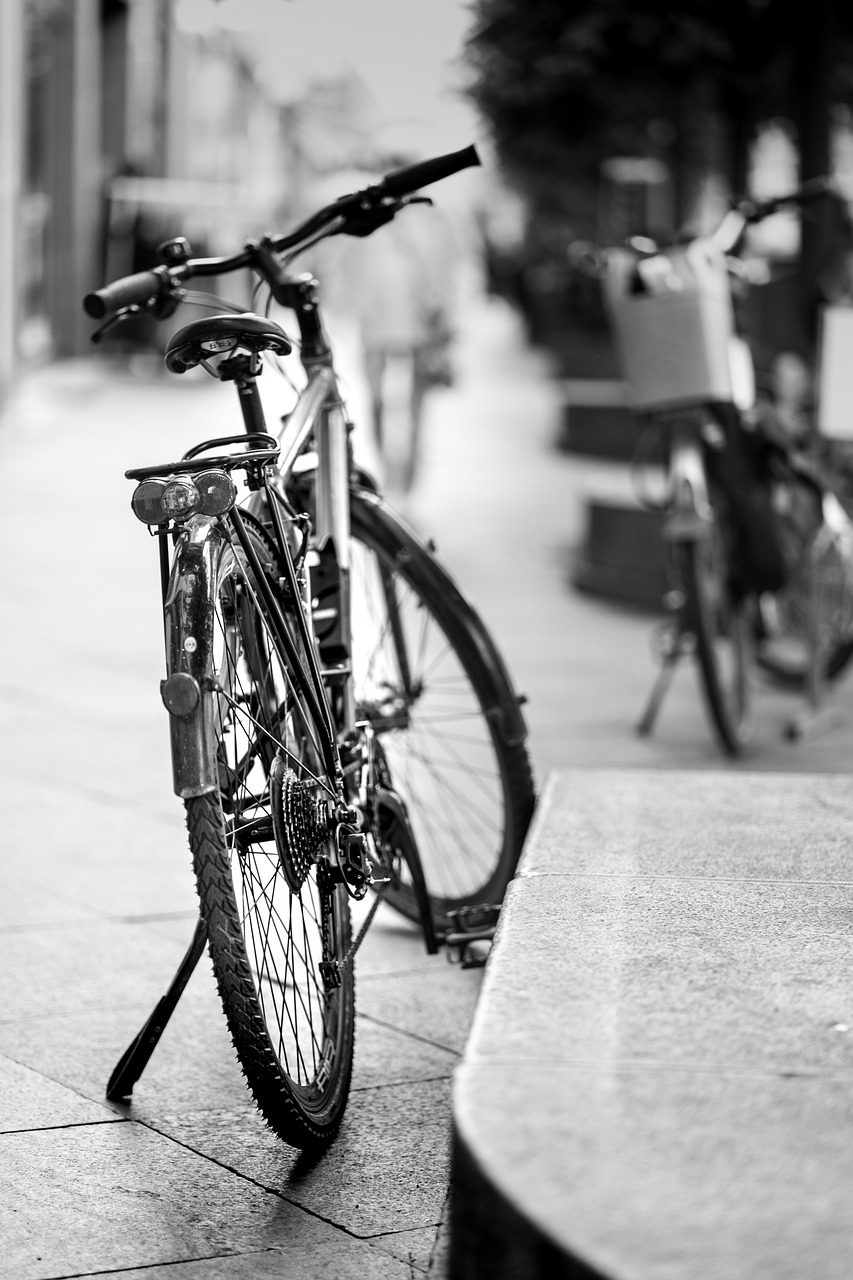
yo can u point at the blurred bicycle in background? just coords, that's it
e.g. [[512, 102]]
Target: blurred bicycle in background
[[760, 547]]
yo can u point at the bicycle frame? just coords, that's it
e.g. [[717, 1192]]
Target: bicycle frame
[[189, 690]]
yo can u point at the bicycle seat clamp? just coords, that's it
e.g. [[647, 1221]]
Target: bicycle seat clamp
[[213, 337]]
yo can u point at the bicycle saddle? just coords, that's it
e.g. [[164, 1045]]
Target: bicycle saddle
[[216, 335]]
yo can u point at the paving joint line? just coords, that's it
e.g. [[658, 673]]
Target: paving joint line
[[171, 1262], [400, 1084], [72, 1124], [662, 875], [245, 1177], [412, 1035]]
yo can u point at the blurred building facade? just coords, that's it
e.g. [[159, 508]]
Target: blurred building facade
[[119, 126]]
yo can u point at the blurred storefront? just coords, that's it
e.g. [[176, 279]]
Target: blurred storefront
[[11, 95], [119, 126]]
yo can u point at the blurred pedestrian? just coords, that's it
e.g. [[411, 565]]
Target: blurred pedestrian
[[399, 288], [404, 303]]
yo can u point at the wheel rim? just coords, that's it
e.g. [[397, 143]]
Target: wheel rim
[[435, 737], [260, 720]]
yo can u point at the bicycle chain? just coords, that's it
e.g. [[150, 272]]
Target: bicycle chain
[[359, 937]]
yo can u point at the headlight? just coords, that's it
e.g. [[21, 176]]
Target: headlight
[[180, 498]]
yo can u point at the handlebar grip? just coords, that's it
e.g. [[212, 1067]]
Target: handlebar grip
[[126, 292], [414, 176], [810, 191]]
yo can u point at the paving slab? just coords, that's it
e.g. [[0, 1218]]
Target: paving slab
[[30, 1100], [428, 1006], [86, 860], [385, 1179], [316, 1259], [382, 1174], [193, 1067], [157, 1203], [84, 968], [657, 1082]]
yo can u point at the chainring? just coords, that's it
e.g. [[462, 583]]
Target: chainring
[[300, 820]]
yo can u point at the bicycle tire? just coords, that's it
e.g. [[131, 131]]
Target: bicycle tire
[[294, 1037], [450, 730], [718, 616]]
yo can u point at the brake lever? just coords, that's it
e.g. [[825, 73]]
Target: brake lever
[[126, 313], [367, 218], [364, 221], [160, 308]]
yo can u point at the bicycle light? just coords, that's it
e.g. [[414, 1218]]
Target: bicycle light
[[211, 493], [217, 492], [180, 498], [147, 502]]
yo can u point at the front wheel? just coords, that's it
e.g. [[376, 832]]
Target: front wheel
[[719, 617], [433, 688]]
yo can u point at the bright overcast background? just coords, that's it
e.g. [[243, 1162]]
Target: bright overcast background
[[406, 54]]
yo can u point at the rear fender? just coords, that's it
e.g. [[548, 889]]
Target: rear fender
[[189, 690], [691, 514]]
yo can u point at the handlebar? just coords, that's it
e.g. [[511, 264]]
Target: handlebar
[[748, 213], [592, 260], [129, 291], [403, 182], [807, 193], [358, 213]]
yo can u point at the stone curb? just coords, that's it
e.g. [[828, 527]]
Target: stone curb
[[657, 1078]]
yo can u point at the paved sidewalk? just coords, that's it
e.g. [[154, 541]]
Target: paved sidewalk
[[98, 907]]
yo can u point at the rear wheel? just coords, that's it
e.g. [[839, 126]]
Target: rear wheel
[[432, 686], [719, 616], [277, 928]]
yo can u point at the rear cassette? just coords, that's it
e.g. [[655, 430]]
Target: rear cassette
[[300, 819]]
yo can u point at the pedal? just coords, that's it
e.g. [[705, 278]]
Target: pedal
[[469, 944], [330, 972]]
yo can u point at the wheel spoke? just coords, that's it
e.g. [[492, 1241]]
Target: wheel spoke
[[438, 743]]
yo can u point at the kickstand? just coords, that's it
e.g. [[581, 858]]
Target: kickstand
[[134, 1060], [671, 646]]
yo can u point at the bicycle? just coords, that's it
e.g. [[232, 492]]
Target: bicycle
[[750, 521], [340, 718]]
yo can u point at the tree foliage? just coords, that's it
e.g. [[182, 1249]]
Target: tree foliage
[[565, 83]]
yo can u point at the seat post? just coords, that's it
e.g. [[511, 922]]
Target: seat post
[[251, 405], [243, 369]]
